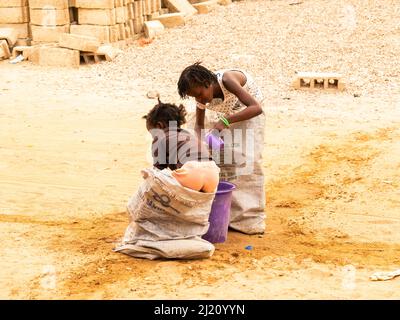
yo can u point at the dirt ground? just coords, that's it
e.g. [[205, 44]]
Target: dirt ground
[[73, 143]]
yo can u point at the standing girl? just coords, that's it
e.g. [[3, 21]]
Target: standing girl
[[236, 103]]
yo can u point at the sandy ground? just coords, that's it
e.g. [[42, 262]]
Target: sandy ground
[[73, 143]]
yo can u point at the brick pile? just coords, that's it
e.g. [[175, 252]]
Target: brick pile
[[69, 32], [48, 18], [14, 14]]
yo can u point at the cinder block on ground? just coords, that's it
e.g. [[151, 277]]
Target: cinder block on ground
[[48, 4], [318, 80], [24, 50], [35, 50], [95, 4], [171, 20], [78, 42], [109, 52], [153, 28], [103, 17], [50, 17], [48, 34], [104, 53], [9, 34], [182, 6], [4, 50], [14, 15], [101, 33], [59, 57], [206, 6]]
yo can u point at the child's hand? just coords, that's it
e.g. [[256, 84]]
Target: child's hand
[[219, 126]]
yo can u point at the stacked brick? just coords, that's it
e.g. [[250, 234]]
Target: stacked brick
[[14, 15], [113, 20], [49, 18], [68, 32]]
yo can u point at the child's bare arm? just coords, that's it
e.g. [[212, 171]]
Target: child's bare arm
[[199, 125], [232, 82]]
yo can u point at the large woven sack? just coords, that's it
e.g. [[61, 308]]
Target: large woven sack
[[167, 220]]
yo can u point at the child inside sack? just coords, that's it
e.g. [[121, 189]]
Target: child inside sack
[[169, 213], [235, 101], [177, 149]]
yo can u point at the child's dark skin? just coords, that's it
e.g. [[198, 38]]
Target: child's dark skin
[[175, 143], [234, 82], [159, 125]]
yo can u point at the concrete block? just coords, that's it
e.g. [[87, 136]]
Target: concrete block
[[131, 11], [59, 57], [34, 52], [24, 50], [48, 34], [153, 16], [9, 34], [78, 42], [22, 29], [153, 28], [138, 26], [137, 9], [121, 31], [91, 57], [14, 15], [131, 27], [13, 3], [101, 33], [171, 20], [147, 7], [154, 6], [318, 80], [23, 42], [4, 50], [103, 17], [95, 4], [205, 7], [182, 6], [50, 17], [104, 53], [163, 11], [120, 15], [121, 44], [48, 4], [114, 33], [109, 51], [128, 32]]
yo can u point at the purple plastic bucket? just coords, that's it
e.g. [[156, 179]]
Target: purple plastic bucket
[[220, 213]]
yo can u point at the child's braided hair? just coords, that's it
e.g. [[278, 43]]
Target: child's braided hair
[[193, 76], [166, 112]]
